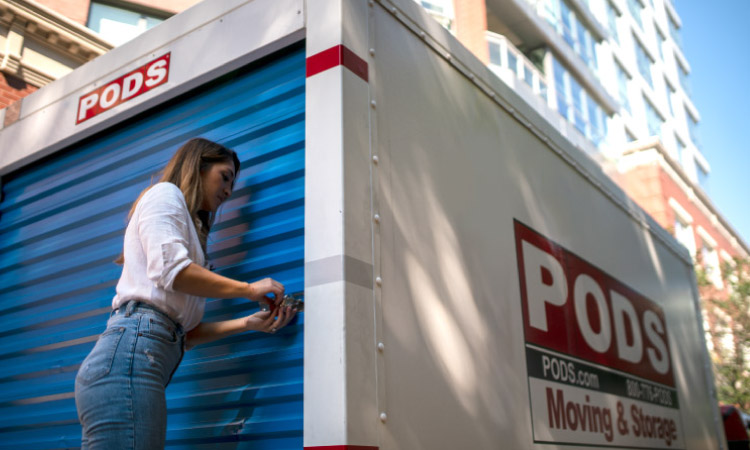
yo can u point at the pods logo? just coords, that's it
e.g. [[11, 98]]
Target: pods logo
[[572, 307], [124, 88]]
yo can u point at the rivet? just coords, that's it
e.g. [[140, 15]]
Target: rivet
[[381, 347], [375, 159], [373, 104], [376, 218], [378, 281], [422, 34], [372, 52], [448, 56], [492, 94], [383, 417], [371, 3], [393, 10], [471, 76]]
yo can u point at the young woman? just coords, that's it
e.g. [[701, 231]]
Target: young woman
[[160, 299]]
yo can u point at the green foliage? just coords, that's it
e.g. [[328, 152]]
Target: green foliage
[[731, 360]]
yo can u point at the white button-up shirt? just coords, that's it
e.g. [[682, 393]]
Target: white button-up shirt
[[160, 241]]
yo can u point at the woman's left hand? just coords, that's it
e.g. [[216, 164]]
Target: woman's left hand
[[270, 321]]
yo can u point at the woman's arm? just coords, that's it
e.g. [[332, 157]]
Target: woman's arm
[[260, 321], [201, 282], [196, 280]]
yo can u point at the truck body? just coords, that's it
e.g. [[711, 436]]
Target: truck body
[[471, 278]]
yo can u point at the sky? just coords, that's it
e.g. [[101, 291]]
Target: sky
[[716, 43]]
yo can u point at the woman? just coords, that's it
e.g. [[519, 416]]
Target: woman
[[160, 299]]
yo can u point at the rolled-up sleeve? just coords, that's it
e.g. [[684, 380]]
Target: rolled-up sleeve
[[163, 230]]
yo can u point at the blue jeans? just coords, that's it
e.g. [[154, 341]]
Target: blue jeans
[[120, 386]]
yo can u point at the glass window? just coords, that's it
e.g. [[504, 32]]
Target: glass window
[[597, 122], [683, 232], [669, 91], [653, 119], [528, 75], [612, 20], [659, 42], [692, 128], [579, 120], [562, 101], [710, 261], [567, 24], [578, 107], [440, 10], [635, 8], [622, 86], [589, 49], [513, 62], [684, 80], [644, 62], [680, 148], [494, 49], [702, 177], [119, 25], [674, 31]]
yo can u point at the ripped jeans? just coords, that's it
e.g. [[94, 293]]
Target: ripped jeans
[[119, 389]]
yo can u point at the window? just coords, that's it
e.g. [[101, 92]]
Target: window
[[573, 31], [567, 18], [579, 119], [561, 88], [597, 130], [612, 21], [622, 87], [441, 10], [635, 8], [495, 53], [683, 230], [588, 50], [119, 25], [702, 177], [680, 148], [659, 42], [644, 62], [653, 119], [684, 81], [692, 128], [674, 31], [710, 261], [578, 107], [669, 91]]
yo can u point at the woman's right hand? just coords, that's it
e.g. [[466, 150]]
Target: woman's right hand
[[266, 290]]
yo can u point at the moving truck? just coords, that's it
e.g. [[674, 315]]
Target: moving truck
[[471, 279]]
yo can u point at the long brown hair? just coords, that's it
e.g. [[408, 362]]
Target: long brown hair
[[184, 171]]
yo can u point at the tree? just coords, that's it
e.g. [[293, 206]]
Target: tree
[[728, 314]]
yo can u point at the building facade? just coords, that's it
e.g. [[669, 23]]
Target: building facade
[[611, 75]]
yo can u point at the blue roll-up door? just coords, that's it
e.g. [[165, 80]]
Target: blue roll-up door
[[62, 223]]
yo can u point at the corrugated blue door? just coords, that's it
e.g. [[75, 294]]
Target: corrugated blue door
[[62, 223]]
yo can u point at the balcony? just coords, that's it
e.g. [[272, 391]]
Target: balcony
[[512, 66]]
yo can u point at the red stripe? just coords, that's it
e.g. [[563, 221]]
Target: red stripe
[[334, 57], [342, 447]]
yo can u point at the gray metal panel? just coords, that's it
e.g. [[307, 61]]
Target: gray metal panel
[[61, 225], [455, 169]]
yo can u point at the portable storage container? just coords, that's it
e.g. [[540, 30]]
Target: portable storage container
[[471, 279]]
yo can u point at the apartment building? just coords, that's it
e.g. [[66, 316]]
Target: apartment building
[[611, 75]]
